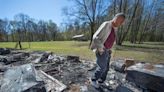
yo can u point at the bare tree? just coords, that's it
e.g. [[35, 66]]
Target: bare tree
[[89, 11], [22, 20], [124, 34], [52, 28], [4, 29], [147, 19], [136, 24], [15, 26]]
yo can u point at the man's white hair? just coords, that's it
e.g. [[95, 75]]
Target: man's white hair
[[119, 15]]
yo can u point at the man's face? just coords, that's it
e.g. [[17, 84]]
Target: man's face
[[119, 21]]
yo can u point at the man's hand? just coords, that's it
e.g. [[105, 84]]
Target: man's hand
[[100, 51]]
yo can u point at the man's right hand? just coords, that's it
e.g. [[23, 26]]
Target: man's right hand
[[100, 51]]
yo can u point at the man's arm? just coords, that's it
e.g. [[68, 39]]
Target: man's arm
[[97, 38]]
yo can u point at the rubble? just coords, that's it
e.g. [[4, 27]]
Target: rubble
[[13, 58], [121, 65], [21, 79], [25, 78], [67, 74], [147, 76], [118, 66], [129, 62], [51, 84], [4, 51], [73, 58]]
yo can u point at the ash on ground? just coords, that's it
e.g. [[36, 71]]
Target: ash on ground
[[38, 71]]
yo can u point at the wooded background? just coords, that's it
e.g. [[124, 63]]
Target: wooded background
[[144, 22]]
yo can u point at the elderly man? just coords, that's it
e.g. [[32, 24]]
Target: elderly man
[[103, 40]]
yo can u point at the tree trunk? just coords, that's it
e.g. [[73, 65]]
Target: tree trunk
[[120, 7], [144, 28], [128, 27], [114, 8], [92, 26], [19, 41]]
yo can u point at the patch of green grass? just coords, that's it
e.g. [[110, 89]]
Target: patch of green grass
[[58, 47], [141, 52], [141, 56]]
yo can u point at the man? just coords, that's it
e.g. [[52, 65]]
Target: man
[[103, 40]]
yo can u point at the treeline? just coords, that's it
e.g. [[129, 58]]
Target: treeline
[[144, 22], [144, 18], [24, 28]]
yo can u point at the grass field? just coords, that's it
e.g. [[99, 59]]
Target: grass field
[[149, 51]]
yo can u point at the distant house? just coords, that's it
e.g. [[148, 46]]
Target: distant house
[[79, 37]]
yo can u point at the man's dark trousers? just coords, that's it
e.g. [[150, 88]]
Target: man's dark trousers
[[102, 66]]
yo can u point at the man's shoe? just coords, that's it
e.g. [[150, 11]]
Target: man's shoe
[[95, 84]]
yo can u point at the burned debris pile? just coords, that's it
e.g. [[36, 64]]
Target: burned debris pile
[[38, 71]]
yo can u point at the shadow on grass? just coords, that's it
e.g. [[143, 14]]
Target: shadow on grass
[[154, 43], [17, 48], [144, 47], [144, 54], [140, 48]]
